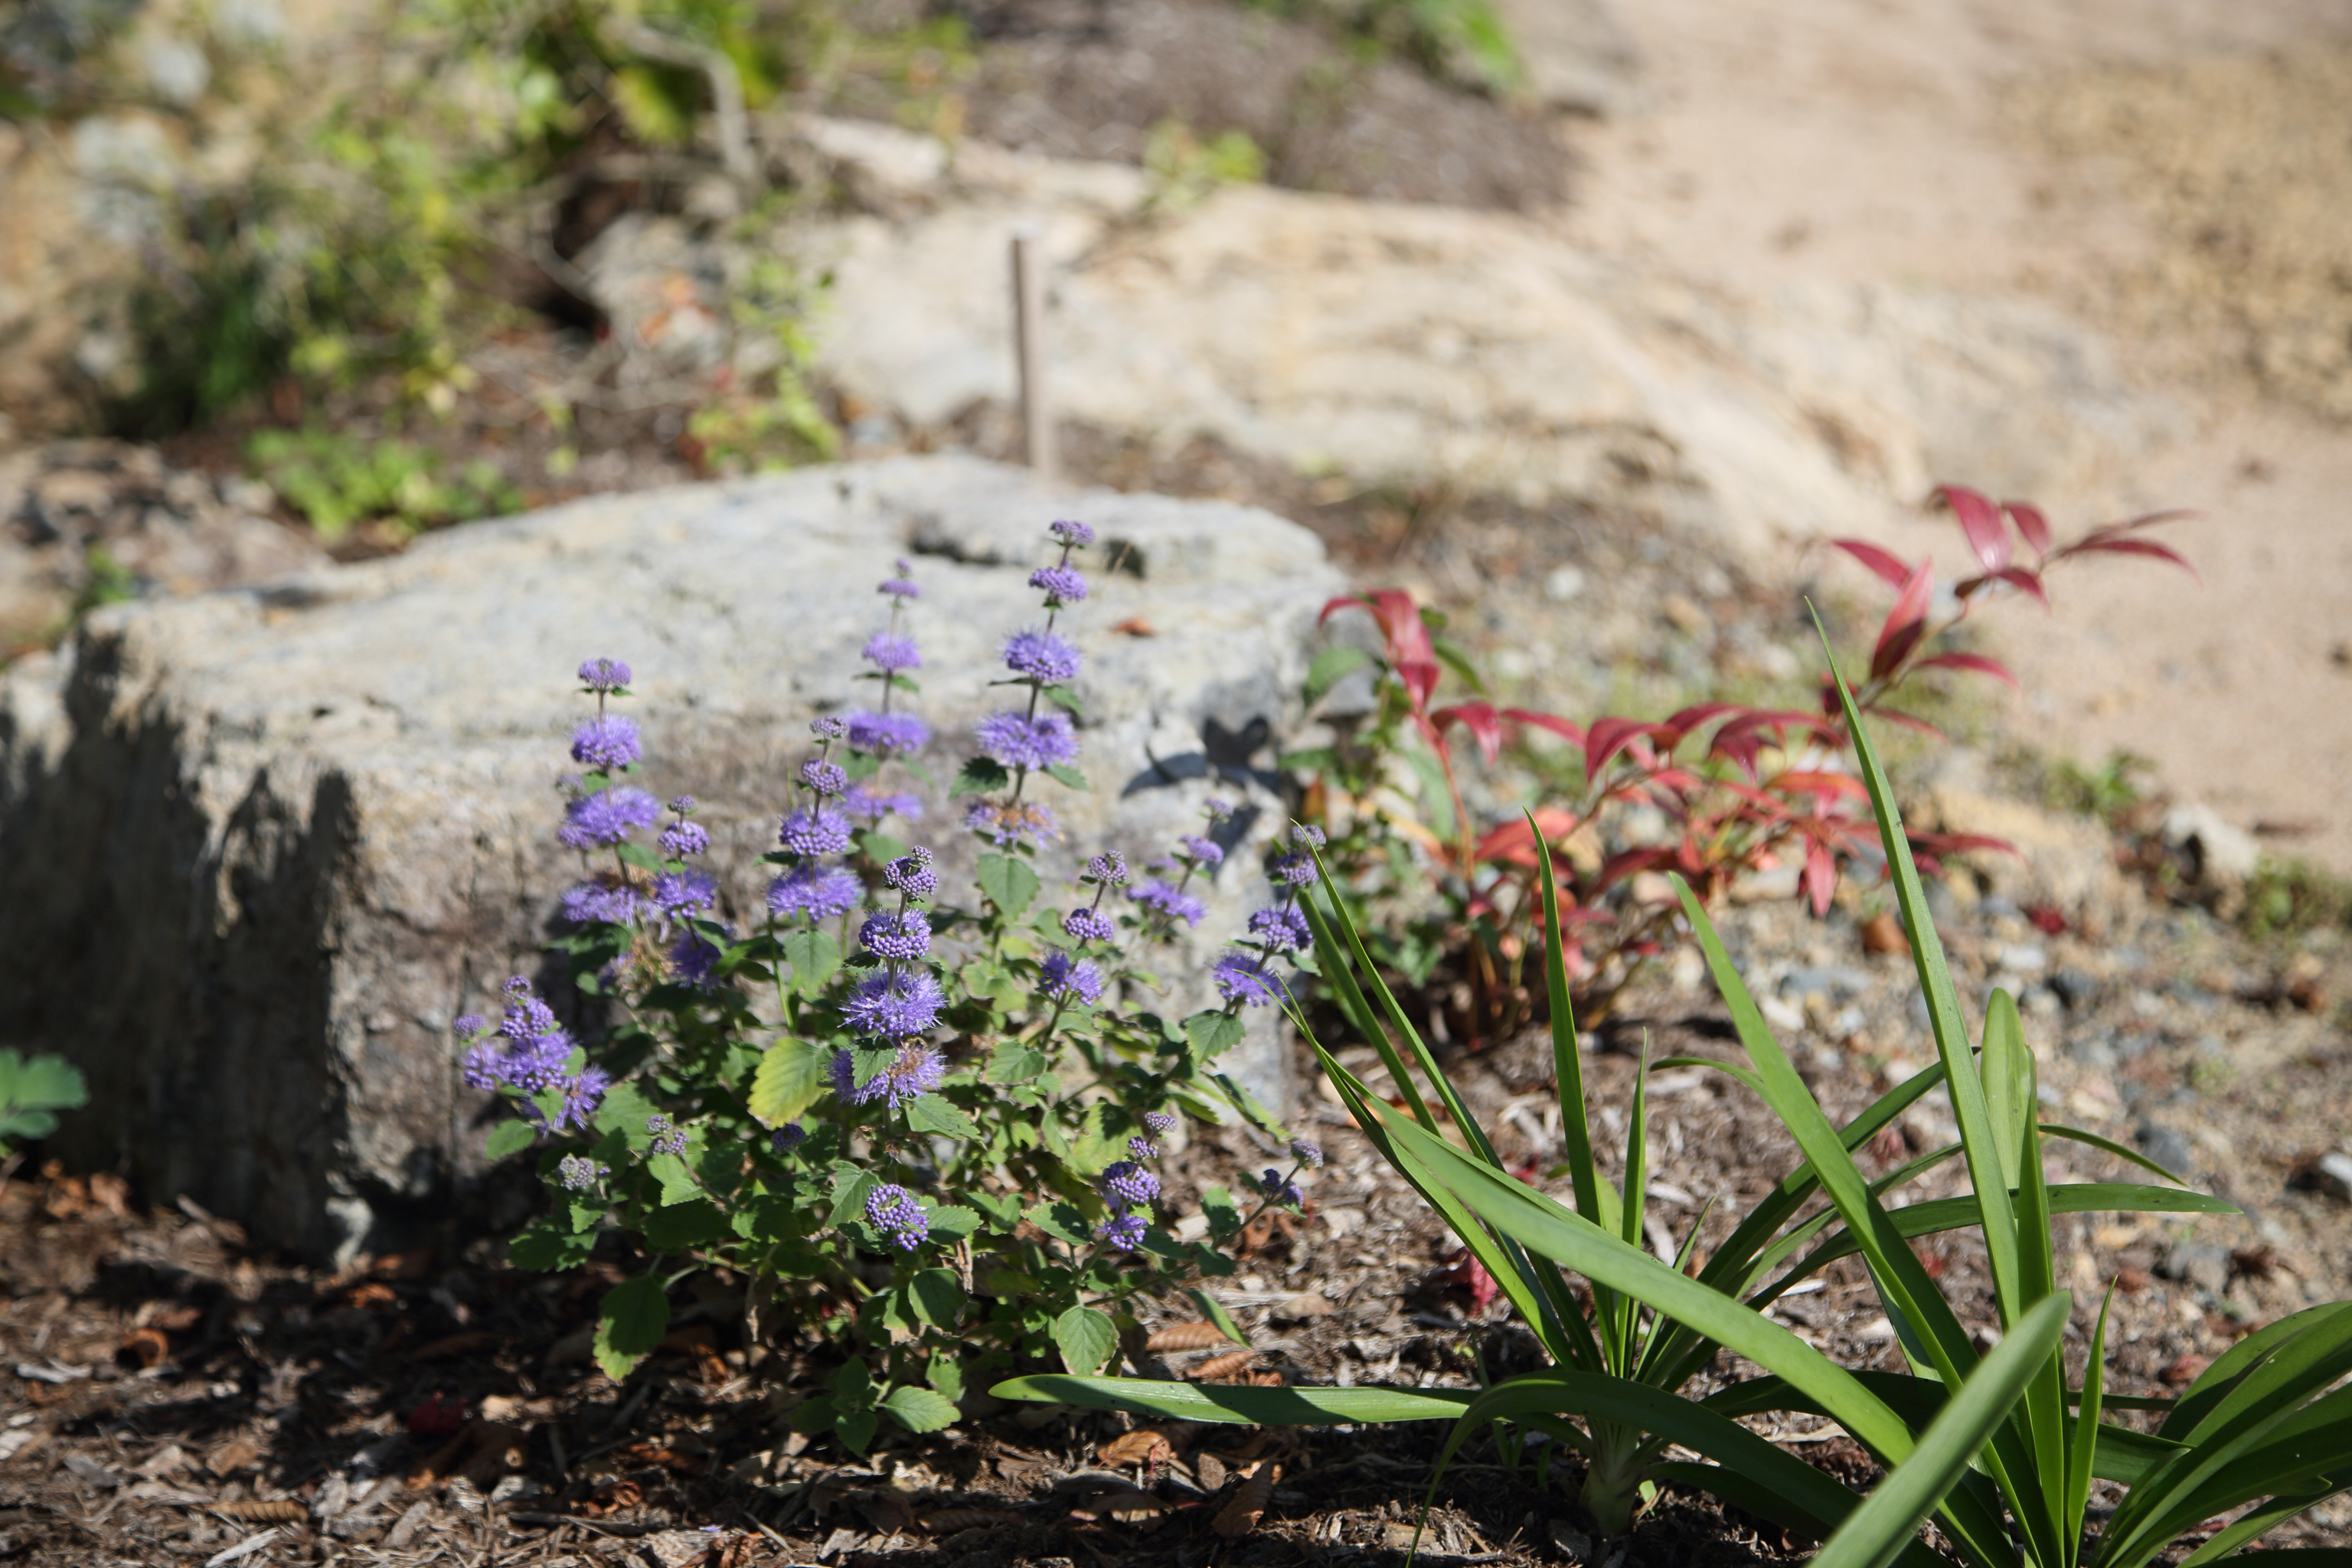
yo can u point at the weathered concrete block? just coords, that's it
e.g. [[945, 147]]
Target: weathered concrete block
[[261, 846]]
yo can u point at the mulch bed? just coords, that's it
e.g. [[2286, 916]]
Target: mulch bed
[[177, 1394]]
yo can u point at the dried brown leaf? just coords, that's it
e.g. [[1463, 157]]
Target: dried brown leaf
[[1240, 1516], [283, 1511], [1143, 1446], [1185, 1336], [457, 1343], [1225, 1366]]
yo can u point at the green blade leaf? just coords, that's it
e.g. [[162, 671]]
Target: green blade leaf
[[1873, 1533], [1240, 1406], [1214, 1312], [1328, 668]]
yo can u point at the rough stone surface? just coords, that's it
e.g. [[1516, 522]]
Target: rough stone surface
[[1390, 340], [171, 532], [265, 844]]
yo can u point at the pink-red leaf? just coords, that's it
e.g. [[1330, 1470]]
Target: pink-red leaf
[[1573, 733], [1608, 737], [1908, 721], [1975, 661], [2030, 581], [2134, 547], [1959, 843], [1819, 876], [1906, 623], [1485, 726], [1842, 784], [1512, 843], [1890, 570], [1625, 863], [1679, 726], [1981, 520], [2031, 524]]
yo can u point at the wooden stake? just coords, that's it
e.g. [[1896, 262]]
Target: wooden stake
[[1029, 340]]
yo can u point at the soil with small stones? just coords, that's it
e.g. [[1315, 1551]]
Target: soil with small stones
[[170, 1393], [1081, 79]]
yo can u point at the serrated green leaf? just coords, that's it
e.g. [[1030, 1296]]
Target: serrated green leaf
[[880, 846], [946, 1374], [980, 775], [510, 1138], [1066, 699], [40, 1083], [950, 1222], [637, 855], [676, 1179], [932, 1114], [1009, 883], [920, 1409], [624, 1111], [1067, 775], [814, 956], [1224, 1217], [850, 1188], [1328, 668], [1018, 1065], [791, 1077], [856, 1429], [630, 1324], [938, 1297], [852, 1383], [1209, 1033], [1086, 1339], [1061, 1221], [549, 1249]]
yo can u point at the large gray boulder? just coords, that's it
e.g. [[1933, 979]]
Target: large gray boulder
[[261, 846]]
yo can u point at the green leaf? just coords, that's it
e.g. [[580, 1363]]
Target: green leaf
[[41, 1083], [879, 847], [1009, 883], [791, 1076], [1102, 1139], [946, 1374], [1210, 1033], [510, 1138], [920, 1409], [850, 1187], [1086, 1340], [1018, 1065], [630, 1324], [852, 1383], [856, 1428], [938, 1297], [1240, 1406], [676, 1179], [680, 1227], [1061, 1221], [814, 956], [624, 1110], [1214, 1312], [1874, 1532], [1224, 1217], [951, 1223], [981, 776], [1451, 655], [932, 1114], [1070, 776], [1066, 699], [548, 1248], [1329, 666]]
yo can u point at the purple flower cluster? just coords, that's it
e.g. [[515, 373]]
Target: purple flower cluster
[[1072, 532], [604, 898], [891, 654], [870, 806], [814, 892], [913, 873], [529, 1053], [682, 840], [1281, 929], [1063, 979], [913, 1072], [607, 742], [887, 734], [1244, 975], [895, 1003], [893, 1211], [604, 676], [1205, 853], [787, 1138], [1085, 925], [1129, 1190], [1027, 741], [815, 830], [607, 817], [1041, 656], [1109, 869], [1243, 979], [578, 1172], [1281, 1191], [1060, 584], [902, 588], [1170, 904], [826, 778], [901, 938]]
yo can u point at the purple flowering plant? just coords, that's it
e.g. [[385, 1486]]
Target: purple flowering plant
[[921, 1120]]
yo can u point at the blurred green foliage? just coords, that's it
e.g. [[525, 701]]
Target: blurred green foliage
[[1463, 40], [336, 479]]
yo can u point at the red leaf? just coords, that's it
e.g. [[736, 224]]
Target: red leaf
[[1573, 733], [1844, 784], [1626, 862], [2031, 524], [1890, 570], [2147, 520], [1607, 738], [1819, 876], [1480, 720], [2030, 582], [1975, 661], [1908, 721], [1513, 844], [1679, 726], [2134, 547], [1981, 520], [1959, 843], [1906, 623], [1742, 750], [1410, 652]]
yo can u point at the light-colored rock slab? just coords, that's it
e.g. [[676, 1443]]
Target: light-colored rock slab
[[264, 844]]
